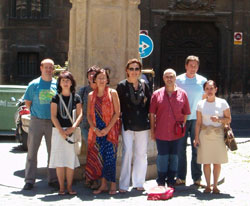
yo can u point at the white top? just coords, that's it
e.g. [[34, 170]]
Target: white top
[[209, 109]]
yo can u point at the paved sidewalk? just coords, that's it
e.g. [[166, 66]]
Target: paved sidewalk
[[234, 191]]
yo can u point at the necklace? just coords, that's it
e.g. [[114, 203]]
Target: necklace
[[62, 110]]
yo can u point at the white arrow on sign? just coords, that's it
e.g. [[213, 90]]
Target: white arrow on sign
[[143, 46]]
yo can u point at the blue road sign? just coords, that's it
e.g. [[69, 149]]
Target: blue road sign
[[146, 45]]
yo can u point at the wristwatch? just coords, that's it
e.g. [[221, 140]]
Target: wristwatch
[[94, 129]]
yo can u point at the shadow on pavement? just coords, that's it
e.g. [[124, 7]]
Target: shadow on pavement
[[17, 150], [86, 194], [194, 191], [40, 188], [40, 173]]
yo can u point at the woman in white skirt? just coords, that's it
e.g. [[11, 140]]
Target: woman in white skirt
[[63, 156], [212, 113]]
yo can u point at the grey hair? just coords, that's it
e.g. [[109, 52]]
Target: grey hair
[[169, 70]]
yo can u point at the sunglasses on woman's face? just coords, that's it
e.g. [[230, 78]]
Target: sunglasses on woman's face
[[134, 69]]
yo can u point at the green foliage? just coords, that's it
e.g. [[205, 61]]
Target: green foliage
[[59, 69]]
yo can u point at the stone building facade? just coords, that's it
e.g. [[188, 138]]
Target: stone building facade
[[204, 28], [29, 32], [104, 32]]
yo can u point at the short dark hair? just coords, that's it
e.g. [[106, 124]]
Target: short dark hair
[[92, 69], [66, 75], [208, 81], [101, 70]]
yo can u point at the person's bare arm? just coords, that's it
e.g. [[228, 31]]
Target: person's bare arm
[[197, 128], [116, 103], [53, 108], [226, 119], [28, 104], [185, 119], [89, 118]]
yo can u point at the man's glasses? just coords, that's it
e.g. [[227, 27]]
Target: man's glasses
[[134, 69]]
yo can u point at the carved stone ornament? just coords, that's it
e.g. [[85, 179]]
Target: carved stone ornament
[[192, 4]]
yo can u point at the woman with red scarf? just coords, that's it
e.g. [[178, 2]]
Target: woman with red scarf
[[103, 113]]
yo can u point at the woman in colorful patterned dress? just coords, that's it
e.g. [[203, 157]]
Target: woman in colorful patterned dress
[[103, 113]]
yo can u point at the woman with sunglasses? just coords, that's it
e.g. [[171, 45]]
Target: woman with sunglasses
[[103, 113], [63, 156], [134, 95]]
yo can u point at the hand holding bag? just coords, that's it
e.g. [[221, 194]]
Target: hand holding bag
[[76, 136], [180, 128], [229, 138]]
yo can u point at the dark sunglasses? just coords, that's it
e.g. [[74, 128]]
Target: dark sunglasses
[[134, 69]]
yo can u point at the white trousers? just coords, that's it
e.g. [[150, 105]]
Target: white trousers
[[140, 141]]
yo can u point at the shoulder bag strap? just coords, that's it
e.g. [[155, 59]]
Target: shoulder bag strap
[[66, 109], [171, 107]]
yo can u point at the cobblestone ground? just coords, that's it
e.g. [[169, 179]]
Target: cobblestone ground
[[235, 190]]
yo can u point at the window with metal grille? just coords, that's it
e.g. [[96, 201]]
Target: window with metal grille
[[27, 64], [29, 9]]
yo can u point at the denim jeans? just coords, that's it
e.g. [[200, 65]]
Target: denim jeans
[[167, 161], [85, 135], [182, 168]]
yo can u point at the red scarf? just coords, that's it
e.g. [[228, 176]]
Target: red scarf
[[107, 114]]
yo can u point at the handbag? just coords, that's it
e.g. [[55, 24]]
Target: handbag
[[179, 126], [160, 193], [76, 136], [229, 138]]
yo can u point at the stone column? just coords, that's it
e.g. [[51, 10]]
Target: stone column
[[77, 40], [105, 33]]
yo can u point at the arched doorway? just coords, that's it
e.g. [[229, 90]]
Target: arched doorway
[[181, 39]]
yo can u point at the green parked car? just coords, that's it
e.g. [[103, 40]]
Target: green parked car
[[9, 96]]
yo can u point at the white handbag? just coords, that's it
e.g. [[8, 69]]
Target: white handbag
[[76, 136]]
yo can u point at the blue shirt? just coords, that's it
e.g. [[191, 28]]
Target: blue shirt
[[194, 90], [40, 93]]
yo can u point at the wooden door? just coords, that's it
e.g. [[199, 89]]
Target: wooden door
[[181, 39]]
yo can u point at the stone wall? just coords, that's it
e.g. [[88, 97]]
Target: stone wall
[[231, 62], [48, 37]]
